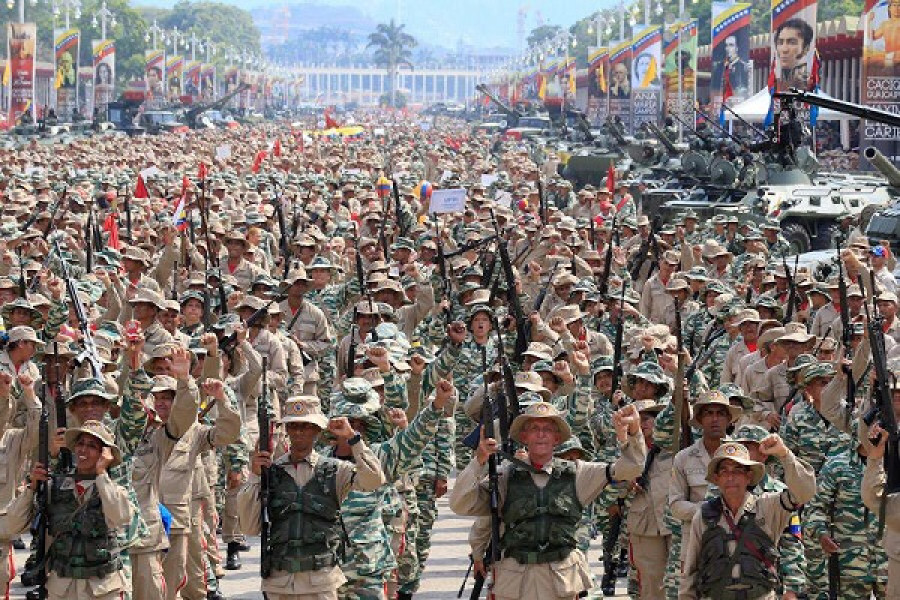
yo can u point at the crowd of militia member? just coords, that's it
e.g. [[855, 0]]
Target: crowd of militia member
[[309, 296]]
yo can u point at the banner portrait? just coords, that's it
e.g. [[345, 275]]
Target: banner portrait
[[646, 51], [192, 79], [680, 68], [208, 81], [620, 83], [598, 104], [21, 42], [174, 73], [730, 46], [154, 63], [793, 42], [880, 89], [66, 47], [104, 60]]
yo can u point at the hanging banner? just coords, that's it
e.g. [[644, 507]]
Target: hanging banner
[[154, 63], [21, 42], [66, 46], [620, 83], [104, 59], [680, 69], [646, 50], [174, 72], [793, 42], [598, 66], [208, 81], [730, 46], [192, 80], [880, 76]]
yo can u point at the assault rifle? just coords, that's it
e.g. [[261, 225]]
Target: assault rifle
[[617, 346], [681, 404], [492, 554], [265, 445], [89, 353], [42, 494], [882, 410], [512, 298], [846, 333], [285, 238], [792, 287], [603, 287]]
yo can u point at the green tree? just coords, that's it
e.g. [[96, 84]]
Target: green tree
[[541, 34], [392, 47], [221, 23]]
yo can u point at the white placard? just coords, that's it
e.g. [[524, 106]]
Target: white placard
[[446, 175], [150, 171], [223, 152], [503, 198], [447, 201], [488, 179], [378, 131]]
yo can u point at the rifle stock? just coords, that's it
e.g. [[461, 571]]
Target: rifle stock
[[265, 444]]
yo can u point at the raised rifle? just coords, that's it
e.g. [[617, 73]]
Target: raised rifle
[[175, 280], [492, 555], [681, 404], [603, 287], [512, 297], [712, 335], [127, 205], [52, 218], [89, 353], [65, 455], [882, 410], [351, 351], [23, 285], [284, 240], [834, 558], [442, 269], [792, 288], [229, 342], [401, 229], [89, 242], [542, 201], [265, 445], [42, 494], [617, 346], [846, 333]]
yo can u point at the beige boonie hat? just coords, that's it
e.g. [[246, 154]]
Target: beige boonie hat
[[23, 333], [713, 398], [651, 406], [540, 410], [738, 453], [304, 409], [532, 382], [796, 332], [99, 431], [148, 296]]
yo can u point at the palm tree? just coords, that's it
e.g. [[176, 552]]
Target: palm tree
[[393, 47]]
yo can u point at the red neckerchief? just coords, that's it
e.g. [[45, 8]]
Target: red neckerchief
[[751, 347]]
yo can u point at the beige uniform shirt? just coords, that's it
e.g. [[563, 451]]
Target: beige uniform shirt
[[645, 514], [657, 304], [731, 371], [544, 581], [771, 516], [118, 514], [823, 319], [687, 488], [363, 474], [773, 388]]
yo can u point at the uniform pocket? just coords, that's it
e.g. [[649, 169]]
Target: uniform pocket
[[570, 576], [509, 577]]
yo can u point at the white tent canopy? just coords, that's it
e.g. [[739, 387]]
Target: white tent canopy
[[755, 108]]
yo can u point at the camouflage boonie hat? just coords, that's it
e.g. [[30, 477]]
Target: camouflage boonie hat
[[732, 391], [88, 387], [37, 319], [652, 372], [750, 434], [192, 295], [602, 363], [814, 371], [569, 445], [526, 399]]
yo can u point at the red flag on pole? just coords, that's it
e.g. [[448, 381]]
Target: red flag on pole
[[257, 162], [330, 123], [140, 190], [202, 171], [611, 179], [276, 149]]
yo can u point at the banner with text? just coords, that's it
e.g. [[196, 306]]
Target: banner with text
[[680, 69], [880, 76], [598, 90], [793, 47], [154, 64], [646, 50], [66, 45], [731, 47]]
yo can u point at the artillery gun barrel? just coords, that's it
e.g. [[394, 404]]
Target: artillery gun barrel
[[663, 138], [880, 162]]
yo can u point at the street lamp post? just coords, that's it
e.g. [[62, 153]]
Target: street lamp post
[[70, 7], [154, 32], [105, 15]]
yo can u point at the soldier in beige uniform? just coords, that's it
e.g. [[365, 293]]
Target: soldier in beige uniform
[[91, 492], [774, 388], [303, 422], [243, 271], [761, 517], [873, 496], [649, 536], [308, 326], [554, 568], [145, 307], [747, 321], [656, 303]]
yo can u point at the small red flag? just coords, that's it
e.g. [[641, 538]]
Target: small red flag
[[257, 162], [140, 190], [276, 149], [330, 123], [202, 172], [611, 179], [111, 226]]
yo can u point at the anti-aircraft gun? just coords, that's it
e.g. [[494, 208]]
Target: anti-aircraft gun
[[192, 115], [512, 115]]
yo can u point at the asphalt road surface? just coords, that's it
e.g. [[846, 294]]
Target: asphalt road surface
[[443, 575]]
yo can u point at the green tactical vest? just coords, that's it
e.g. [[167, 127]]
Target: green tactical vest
[[83, 546], [305, 531], [714, 578], [540, 524]]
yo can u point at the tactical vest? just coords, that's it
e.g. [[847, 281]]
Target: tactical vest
[[540, 524], [714, 578], [305, 531], [83, 546]]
